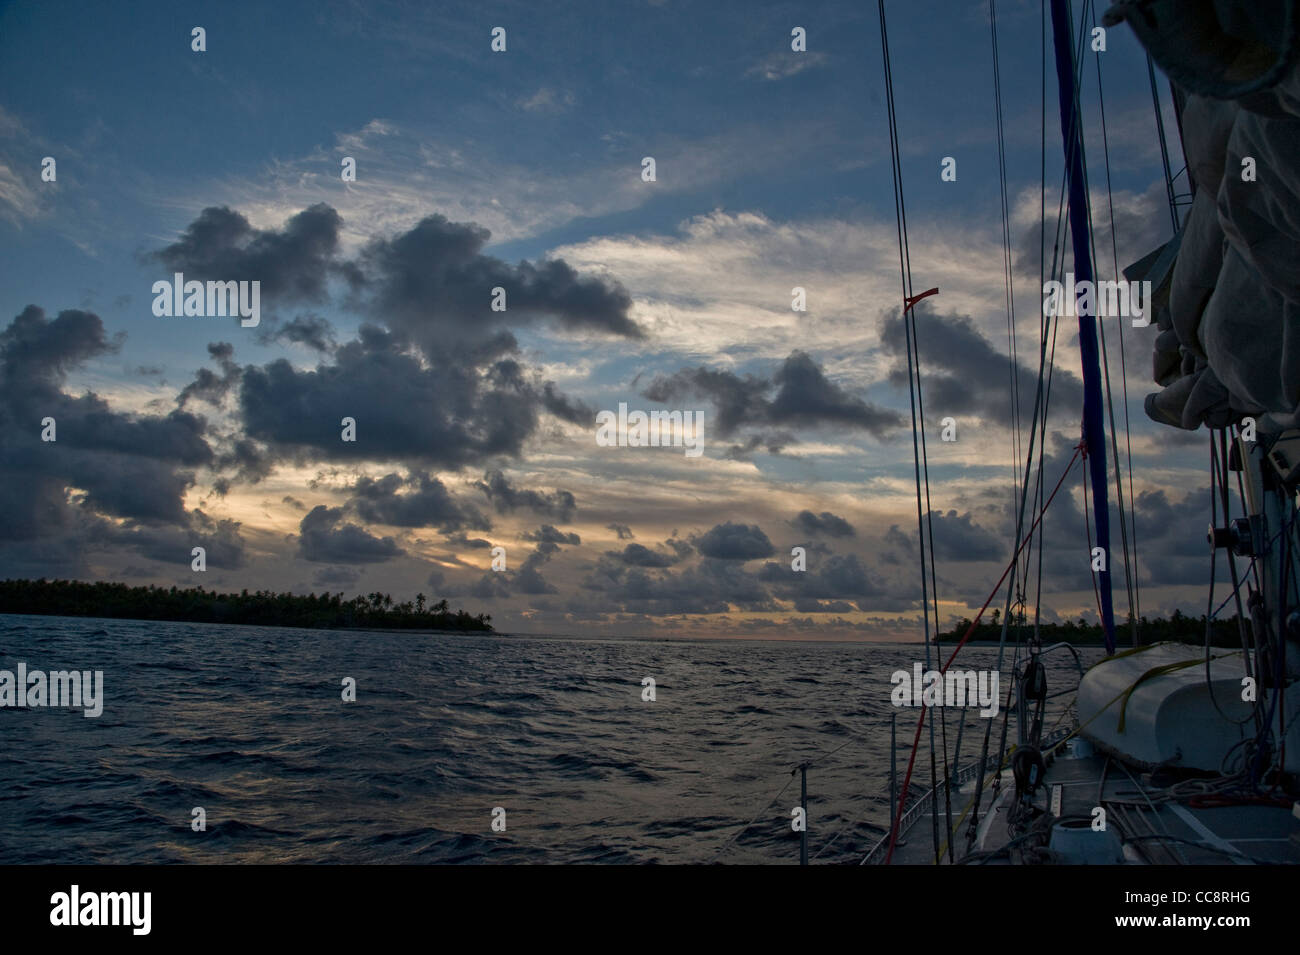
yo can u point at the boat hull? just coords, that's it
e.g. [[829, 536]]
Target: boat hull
[[1153, 707]]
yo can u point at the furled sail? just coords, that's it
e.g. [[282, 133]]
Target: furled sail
[[1229, 314]]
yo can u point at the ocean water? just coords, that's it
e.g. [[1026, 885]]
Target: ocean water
[[249, 723]]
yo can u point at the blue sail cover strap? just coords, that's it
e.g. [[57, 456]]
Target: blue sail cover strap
[[1093, 427]]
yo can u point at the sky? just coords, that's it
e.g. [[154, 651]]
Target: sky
[[522, 169]]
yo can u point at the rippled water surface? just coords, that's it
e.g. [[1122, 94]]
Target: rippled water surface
[[248, 723]]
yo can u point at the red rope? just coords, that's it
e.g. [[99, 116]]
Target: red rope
[[916, 739]]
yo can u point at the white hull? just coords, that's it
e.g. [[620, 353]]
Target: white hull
[[1169, 717]]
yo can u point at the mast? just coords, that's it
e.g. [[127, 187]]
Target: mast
[[1094, 437]]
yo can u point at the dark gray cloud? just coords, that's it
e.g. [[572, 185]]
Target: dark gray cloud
[[840, 577], [826, 523], [958, 538], [638, 555], [467, 415], [59, 497], [413, 500], [797, 395], [434, 283], [963, 374], [1172, 546], [622, 530], [220, 539], [207, 385], [505, 497], [712, 586], [528, 579], [565, 407], [463, 416], [734, 542], [325, 537], [472, 543], [292, 264], [336, 576], [546, 534], [434, 342], [311, 330]]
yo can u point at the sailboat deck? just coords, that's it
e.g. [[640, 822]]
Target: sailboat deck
[[1157, 830]]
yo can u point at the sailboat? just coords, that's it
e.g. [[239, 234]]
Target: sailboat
[[1173, 752]]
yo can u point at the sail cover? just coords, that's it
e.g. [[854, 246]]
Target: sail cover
[[1229, 341]]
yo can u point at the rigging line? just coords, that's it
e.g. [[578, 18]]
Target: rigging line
[[1228, 599], [1007, 270], [1052, 321], [1087, 527], [1101, 325], [1154, 811], [1245, 508], [947, 775], [1042, 451], [1044, 320], [1062, 217], [907, 779], [810, 763], [905, 270], [841, 830], [1008, 274], [768, 805], [1164, 145], [1093, 416], [1214, 559], [1225, 490], [1078, 453], [1130, 578], [1038, 423]]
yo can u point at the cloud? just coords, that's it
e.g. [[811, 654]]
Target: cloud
[[323, 538], [434, 342], [826, 523], [735, 542], [464, 417], [957, 537], [416, 500], [292, 264], [207, 385], [827, 583], [803, 397], [505, 497], [310, 330], [622, 530], [108, 476], [546, 534], [638, 555], [710, 587], [331, 576], [435, 284], [968, 376], [546, 100], [785, 63], [221, 541]]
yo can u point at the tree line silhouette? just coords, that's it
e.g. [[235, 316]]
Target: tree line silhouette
[[74, 598], [1178, 627]]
